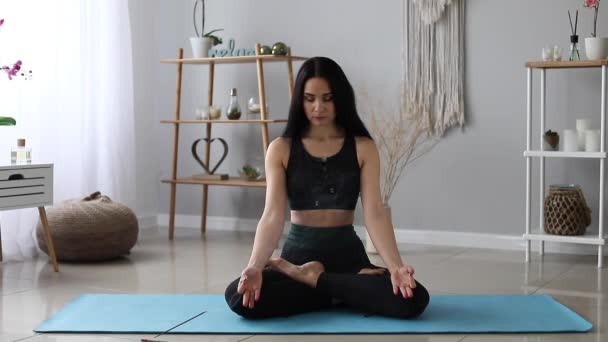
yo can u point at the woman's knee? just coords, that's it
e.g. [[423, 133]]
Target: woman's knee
[[418, 303], [233, 298], [407, 308], [235, 302], [422, 298]]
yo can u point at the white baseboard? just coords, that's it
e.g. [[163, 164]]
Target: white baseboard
[[415, 236], [213, 222], [489, 241], [147, 221]]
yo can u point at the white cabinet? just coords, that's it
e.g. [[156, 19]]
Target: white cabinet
[[27, 186]]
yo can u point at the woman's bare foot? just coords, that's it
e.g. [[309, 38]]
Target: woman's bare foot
[[307, 273], [372, 271]]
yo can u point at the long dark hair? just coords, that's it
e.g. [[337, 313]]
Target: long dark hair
[[343, 97]]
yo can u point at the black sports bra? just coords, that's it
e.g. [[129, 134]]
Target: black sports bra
[[317, 183]]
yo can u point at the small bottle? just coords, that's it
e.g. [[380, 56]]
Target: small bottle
[[233, 112], [574, 54], [21, 154]]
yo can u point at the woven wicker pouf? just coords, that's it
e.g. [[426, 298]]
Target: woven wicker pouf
[[92, 228]]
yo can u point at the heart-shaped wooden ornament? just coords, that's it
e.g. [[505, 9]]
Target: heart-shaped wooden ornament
[[199, 160]]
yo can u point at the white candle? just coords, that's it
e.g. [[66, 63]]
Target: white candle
[[592, 140], [581, 139], [570, 140], [582, 125]]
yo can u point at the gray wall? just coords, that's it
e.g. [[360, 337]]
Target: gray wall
[[146, 21], [473, 181]]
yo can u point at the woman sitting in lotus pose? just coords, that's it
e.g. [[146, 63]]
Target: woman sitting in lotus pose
[[320, 165]]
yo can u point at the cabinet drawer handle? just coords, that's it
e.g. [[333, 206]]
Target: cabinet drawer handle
[[16, 176]]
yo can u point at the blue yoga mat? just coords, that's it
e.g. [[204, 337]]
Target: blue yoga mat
[[209, 314]]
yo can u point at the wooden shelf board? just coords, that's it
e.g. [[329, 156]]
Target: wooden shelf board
[[222, 121], [566, 64], [236, 181], [229, 60], [562, 154]]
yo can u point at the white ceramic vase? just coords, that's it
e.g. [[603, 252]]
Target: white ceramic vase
[[369, 245], [200, 46], [596, 48]]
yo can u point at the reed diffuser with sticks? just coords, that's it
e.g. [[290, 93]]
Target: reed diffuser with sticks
[[574, 54]]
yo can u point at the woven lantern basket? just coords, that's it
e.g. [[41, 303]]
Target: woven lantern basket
[[566, 211], [92, 228]]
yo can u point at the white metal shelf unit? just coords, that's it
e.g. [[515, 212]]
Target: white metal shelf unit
[[599, 239]]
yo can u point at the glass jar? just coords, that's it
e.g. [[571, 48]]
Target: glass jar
[[233, 112], [253, 106], [21, 154], [215, 112], [202, 113]]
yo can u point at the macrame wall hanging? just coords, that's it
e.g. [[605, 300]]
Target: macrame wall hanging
[[433, 63]]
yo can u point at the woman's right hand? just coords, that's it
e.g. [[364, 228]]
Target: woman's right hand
[[250, 286]]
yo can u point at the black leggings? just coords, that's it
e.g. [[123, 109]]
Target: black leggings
[[342, 253]]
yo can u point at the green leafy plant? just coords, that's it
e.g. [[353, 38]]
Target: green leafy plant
[[7, 121], [216, 40], [551, 133], [234, 113], [250, 171]]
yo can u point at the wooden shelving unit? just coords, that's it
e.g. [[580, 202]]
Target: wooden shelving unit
[[234, 60], [227, 182], [221, 121], [566, 64], [264, 121], [597, 239]]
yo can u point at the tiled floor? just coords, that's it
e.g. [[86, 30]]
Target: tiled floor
[[31, 291]]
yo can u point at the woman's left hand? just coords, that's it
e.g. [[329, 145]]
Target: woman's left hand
[[403, 281]]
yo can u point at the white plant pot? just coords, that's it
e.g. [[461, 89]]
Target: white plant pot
[[200, 46], [596, 48]]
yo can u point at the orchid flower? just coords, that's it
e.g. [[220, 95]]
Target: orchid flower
[[592, 3], [12, 71], [595, 4]]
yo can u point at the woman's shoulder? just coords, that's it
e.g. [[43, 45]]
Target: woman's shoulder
[[279, 149], [365, 148], [364, 142], [280, 144]]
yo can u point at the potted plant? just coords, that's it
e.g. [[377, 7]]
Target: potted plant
[[551, 140], [203, 41], [7, 121], [595, 47], [250, 172]]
